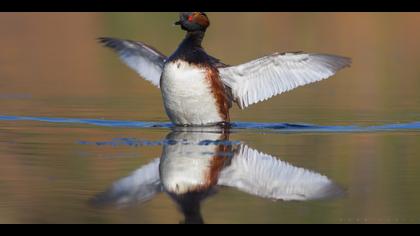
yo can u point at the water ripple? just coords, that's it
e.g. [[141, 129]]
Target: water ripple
[[281, 127]]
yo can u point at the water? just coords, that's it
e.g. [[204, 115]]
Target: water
[[57, 170], [234, 126], [83, 140]]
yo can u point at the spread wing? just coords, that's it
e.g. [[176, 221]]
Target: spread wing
[[271, 75], [142, 185], [145, 60], [263, 175]]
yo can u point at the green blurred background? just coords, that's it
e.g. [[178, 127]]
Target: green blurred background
[[52, 66]]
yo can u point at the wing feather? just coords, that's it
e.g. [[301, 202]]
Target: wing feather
[[265, 77], [265, 176], [145, 60], [142, 185]]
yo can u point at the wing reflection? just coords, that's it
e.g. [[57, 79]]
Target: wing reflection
[[195, 162]]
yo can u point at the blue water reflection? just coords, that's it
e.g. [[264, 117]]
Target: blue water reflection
[[282, 127]]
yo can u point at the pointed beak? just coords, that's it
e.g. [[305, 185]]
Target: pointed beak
[[177, 23]]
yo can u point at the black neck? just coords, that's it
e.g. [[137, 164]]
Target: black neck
[[193, 39], [190, 49]]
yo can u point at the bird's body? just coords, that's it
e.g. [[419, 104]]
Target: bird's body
[[192, 91], [188, 96], [197, 89]]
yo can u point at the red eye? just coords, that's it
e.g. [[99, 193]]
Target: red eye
[[190, 18]]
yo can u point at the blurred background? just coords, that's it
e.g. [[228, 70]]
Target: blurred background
[[54, 60], [52, 66]]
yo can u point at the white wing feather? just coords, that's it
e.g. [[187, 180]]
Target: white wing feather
[[145, 60], [142, 185], [265, 176], [271, 75]]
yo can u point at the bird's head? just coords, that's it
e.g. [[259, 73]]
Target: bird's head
[[193, 21]]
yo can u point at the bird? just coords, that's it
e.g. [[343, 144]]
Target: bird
[[199, 90], [196, 163]]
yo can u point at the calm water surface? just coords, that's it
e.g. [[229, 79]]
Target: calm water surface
[[83, 140]]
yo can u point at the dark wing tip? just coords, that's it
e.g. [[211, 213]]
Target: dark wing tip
[[124, 45], [345, 62], [110, 42], [335, 62], [333, 191], [104, 40], [109, 198], [101, 200], [330, 191]]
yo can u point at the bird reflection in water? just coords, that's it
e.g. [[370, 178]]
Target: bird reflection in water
[[196, 161]]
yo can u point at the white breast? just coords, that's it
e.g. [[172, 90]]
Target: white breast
[[185, 166], [187, 95]]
